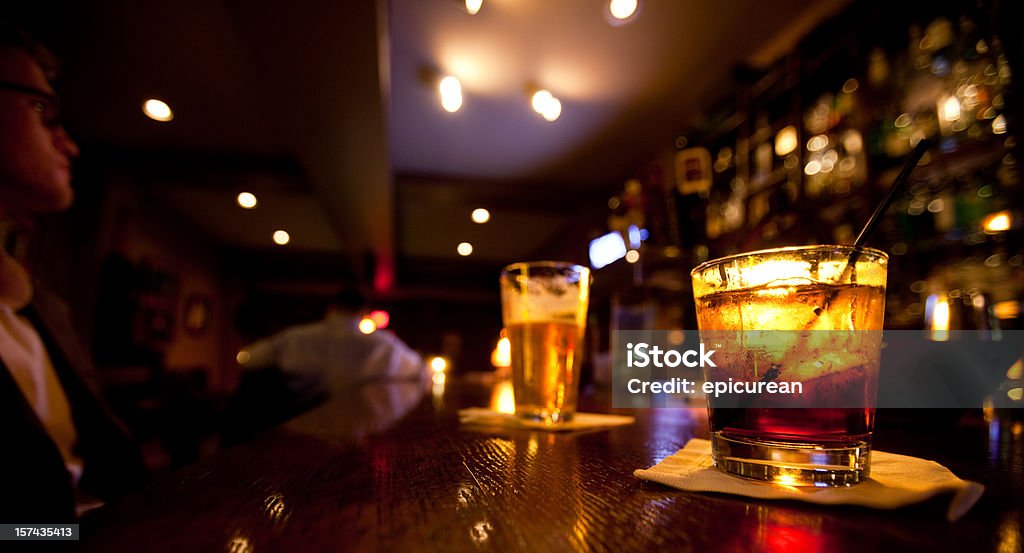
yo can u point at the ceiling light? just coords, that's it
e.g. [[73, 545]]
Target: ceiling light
[[540, 100], [544, 103], [246, 200], [554, 109], [480, 215], [632, 256], [451, 94], [473, 6], [465, 248], [281, 237], [622, 10], [157, 110]]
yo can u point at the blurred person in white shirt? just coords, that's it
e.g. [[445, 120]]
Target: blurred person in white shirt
[[332, 355]]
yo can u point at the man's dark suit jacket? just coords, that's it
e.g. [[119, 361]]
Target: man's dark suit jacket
[[35, 484]]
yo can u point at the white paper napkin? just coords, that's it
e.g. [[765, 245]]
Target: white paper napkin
[[581, 421], [896, 481]]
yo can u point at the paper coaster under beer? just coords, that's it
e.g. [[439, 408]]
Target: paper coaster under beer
[[581, 421], [896, 481]]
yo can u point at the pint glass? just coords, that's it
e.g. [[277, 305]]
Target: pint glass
[[544, 308]]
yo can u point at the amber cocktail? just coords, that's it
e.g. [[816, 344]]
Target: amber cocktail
[[811, 315]]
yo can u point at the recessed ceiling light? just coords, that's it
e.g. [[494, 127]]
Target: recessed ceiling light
[[545, 103], [157, 110], [451, 94], [465, 248], [246, 200], [554, 109], [480, 215], [473, 6], [281, 237], [622, 9]]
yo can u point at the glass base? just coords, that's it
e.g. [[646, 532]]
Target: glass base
[[792, 463], [543, 416]]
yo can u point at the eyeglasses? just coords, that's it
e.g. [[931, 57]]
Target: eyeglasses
[[48, 105]]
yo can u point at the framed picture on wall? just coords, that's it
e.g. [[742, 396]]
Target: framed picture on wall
[[693, 171]]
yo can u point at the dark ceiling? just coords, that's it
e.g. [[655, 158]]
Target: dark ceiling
[[321, 109]]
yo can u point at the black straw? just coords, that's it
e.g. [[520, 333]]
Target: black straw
[[897, 186], [869, 227]]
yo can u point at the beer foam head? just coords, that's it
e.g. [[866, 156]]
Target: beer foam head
[[545, 292]]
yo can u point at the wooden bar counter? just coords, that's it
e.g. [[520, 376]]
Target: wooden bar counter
[[390, 469]]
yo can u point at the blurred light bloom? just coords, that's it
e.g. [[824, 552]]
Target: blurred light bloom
[[785, 141], [940, 319], [544, 103], [451, 94], [157, 110], [622, 9], [951, 109], [999, 125], [503, 398], [480, 215], [501, 357], [281, 237], [380, 318], [246, 200], [817, 143], [606, 249], [997, 222]]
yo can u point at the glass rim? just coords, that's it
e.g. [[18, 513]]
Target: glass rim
[[508, 269], [848, 249]]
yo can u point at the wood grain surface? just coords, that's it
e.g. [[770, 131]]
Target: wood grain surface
[[390, 469]]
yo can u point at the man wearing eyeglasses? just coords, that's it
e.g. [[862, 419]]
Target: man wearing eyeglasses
[[35, 151], [60, 449]]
